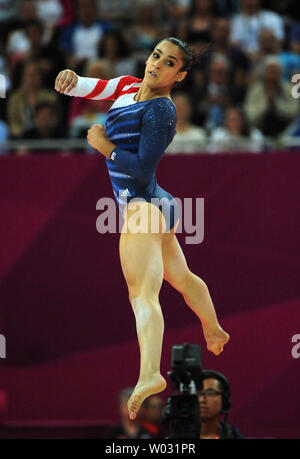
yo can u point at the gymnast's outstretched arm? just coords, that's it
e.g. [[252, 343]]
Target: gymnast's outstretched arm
[[69, 83]]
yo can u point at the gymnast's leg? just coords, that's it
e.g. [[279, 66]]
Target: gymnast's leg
[[194, 291], [142, 265]]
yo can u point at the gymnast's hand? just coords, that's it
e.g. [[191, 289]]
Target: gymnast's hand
[[65, 81], [97, 138]]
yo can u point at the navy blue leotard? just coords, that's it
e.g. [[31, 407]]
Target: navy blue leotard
[[142, 131]]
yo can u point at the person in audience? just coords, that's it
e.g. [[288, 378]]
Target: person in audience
[[46, 123], [239, 63], [49, 12], [188, 138], [117, 12], [21, 102], [80, 40], [127, 428], [17, 41], [144, 32], [8, 17], [151, 416], [197, 25], [114, 52], [174, 10], [269, 104], [214, 401], [236, 134], [5, 80], [50, 58], [246, 25], [83, 111], [269, 45], [211, 99]]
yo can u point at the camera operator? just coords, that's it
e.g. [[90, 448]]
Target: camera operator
[[214, 400]]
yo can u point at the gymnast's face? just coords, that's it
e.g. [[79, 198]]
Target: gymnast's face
[[163, 66]]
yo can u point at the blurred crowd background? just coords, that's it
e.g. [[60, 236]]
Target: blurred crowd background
[[237, 98]]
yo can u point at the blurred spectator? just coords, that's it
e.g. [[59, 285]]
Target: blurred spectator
[[197, 25], [80, 40], [49, 12], [214, 96], [85, 112], [114, 52], [270, 45], [118, 12], [5, 81], [127, 428], [214, 400], [267, 44], [188, 138], [17, 41], [236, 135], [46, 123], [151, 410], [269, 104], [246, 25], [221, 45], [144, 33], [239, 62], [21, 102], [50, 59], [175, 9], [8, 15]]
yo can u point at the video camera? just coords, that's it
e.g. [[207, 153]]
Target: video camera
[[182, 408]]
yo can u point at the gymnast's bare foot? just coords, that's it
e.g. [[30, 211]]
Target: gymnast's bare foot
[[216, 339], [144, 389]]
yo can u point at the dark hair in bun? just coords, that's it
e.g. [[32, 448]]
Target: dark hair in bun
[[189, 56]]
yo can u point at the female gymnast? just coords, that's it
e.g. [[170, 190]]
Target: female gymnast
[[140, 125]]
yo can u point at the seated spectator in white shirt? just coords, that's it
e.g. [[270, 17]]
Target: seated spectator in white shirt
[[246, 26], [236, 135], [17, 41], [188, 138], [49, 11], [80, 40]]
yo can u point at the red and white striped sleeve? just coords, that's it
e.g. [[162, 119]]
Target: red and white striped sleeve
[[97, 89]]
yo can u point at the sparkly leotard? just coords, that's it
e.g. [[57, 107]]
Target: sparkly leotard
[[142, 131]]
